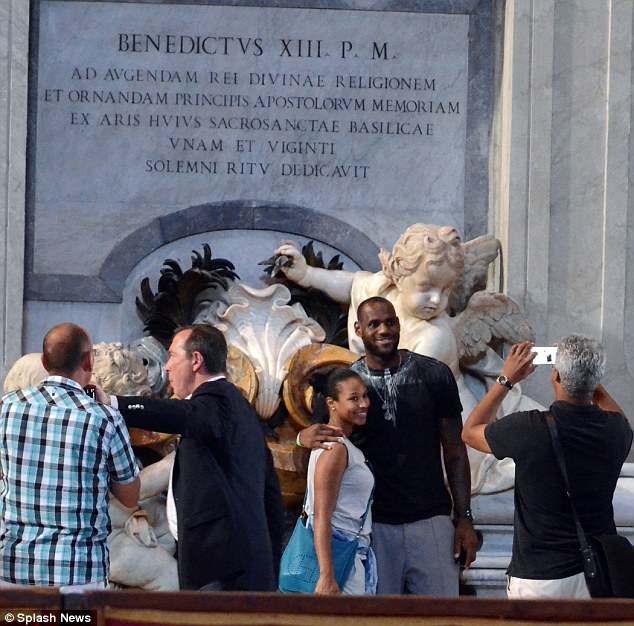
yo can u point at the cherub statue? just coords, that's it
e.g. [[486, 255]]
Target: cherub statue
[[434, 283]]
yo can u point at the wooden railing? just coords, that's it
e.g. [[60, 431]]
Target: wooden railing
[[135, 608]]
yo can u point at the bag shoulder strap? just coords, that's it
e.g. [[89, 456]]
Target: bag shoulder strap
[[370, 500], [559, 455]]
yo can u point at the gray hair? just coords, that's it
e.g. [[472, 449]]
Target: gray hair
[[580, 362]]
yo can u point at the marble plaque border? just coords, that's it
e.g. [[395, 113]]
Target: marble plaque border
[[107, 285]]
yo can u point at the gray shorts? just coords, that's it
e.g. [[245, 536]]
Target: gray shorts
[[416, 558]]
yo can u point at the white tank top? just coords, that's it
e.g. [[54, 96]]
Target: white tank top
[[355, 490]]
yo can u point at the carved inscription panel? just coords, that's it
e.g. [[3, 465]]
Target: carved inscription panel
[[144, 109]]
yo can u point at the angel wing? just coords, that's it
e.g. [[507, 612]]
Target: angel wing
[[489, 315], [478, 254]]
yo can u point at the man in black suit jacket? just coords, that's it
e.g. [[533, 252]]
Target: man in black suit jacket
[[229, 516]]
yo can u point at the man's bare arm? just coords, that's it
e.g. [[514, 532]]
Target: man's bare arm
[[459, 479], [517, 367], [309, 439], [127, 494]]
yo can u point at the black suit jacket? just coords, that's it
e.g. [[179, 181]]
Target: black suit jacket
[[227, 496]]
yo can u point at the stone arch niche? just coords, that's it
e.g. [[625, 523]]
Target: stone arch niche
[[108, 284]]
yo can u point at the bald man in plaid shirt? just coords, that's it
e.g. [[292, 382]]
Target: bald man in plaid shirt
[[61, 453]]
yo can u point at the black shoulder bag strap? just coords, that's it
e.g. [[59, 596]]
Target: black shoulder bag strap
[[589, 564]]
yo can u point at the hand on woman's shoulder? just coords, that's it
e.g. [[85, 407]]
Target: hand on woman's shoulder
[[334, 457]]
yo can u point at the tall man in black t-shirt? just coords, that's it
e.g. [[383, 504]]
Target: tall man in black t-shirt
[[596, 438], [413, 420]]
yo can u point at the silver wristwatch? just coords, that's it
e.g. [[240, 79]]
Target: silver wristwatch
[[504, 381]]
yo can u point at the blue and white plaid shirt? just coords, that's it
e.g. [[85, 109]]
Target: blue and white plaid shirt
[[59, 453]]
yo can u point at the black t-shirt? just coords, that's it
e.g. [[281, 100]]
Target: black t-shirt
[[595, 444], [406, 454]]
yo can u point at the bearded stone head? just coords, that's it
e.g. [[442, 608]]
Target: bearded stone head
[[154, 357], [119, 371]]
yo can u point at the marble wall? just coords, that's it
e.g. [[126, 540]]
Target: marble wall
[[560, 182], [561, 159], [88, 189], [137, 136], [352, 114], [14, 38], [561, 204]]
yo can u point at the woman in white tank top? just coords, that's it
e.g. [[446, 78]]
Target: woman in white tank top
[[340, 484]]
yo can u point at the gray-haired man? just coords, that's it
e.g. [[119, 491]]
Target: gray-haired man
[[596, 438]]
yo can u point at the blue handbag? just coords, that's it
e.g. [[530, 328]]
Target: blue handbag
[[299, 567]]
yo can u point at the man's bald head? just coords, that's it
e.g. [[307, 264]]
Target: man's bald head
[[65, 348]]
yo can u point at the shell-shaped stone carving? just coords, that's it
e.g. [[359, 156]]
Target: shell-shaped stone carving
[[262, 324]]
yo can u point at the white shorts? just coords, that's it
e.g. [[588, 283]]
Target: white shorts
[[569, 588]]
